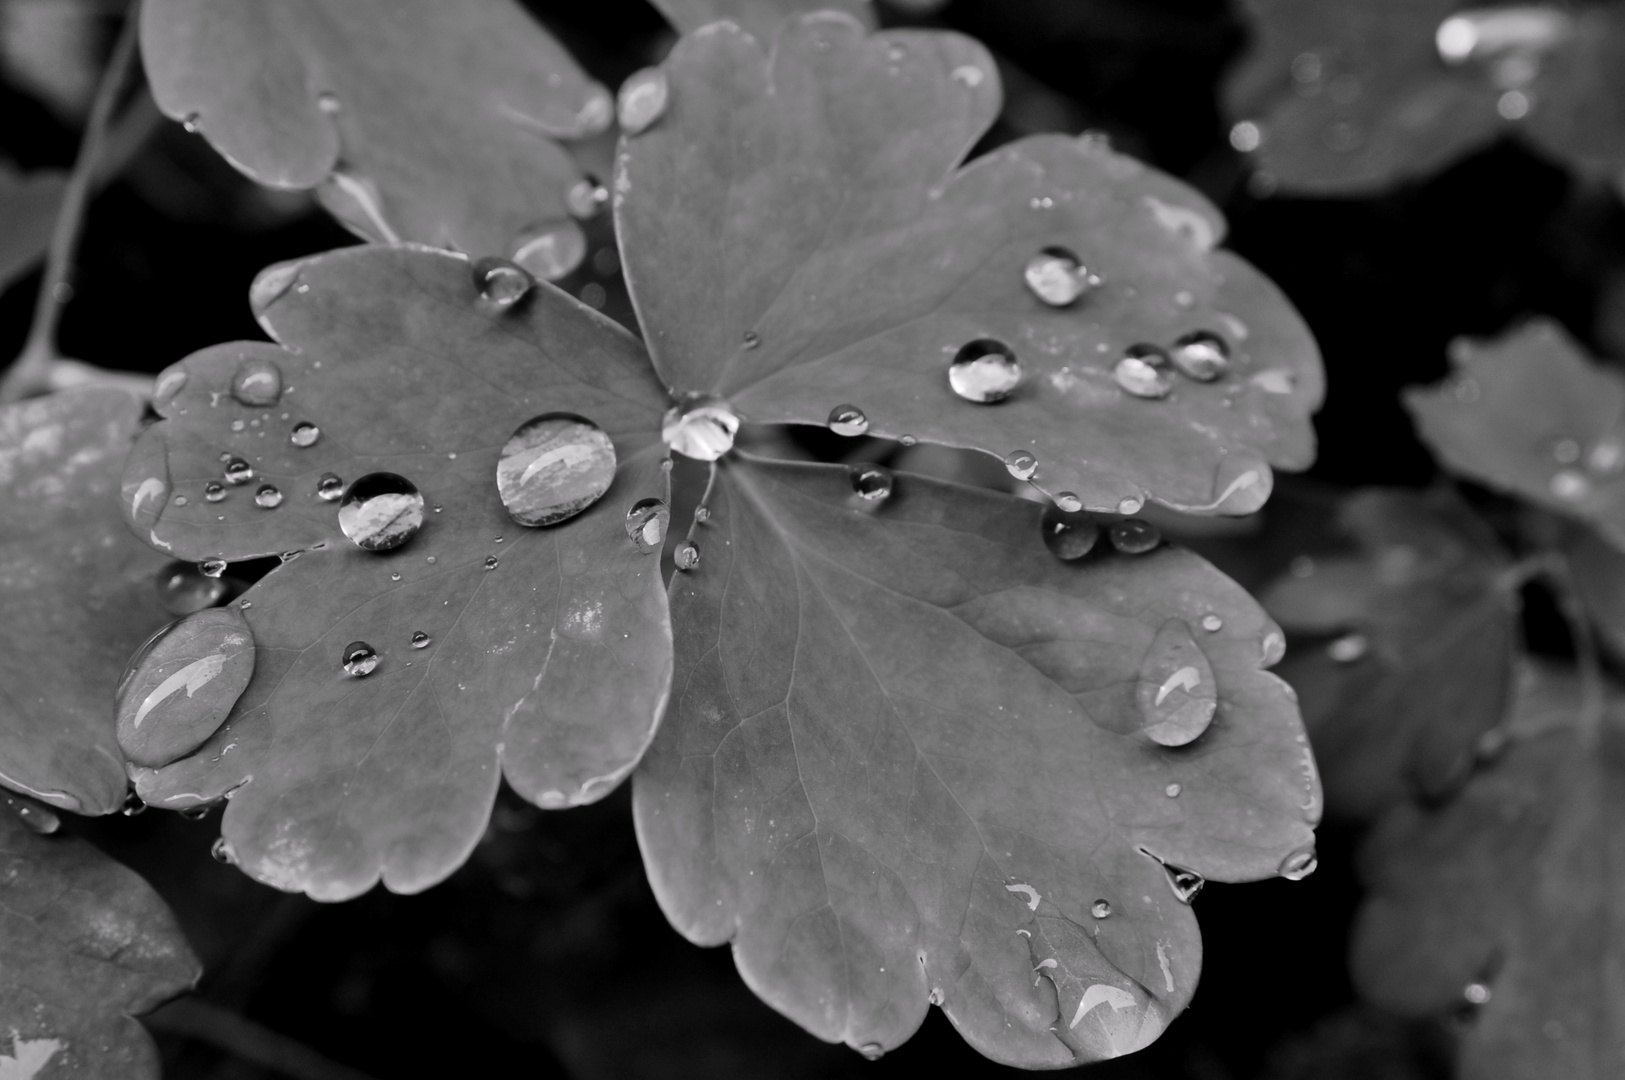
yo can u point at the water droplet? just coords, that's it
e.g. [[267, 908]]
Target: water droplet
[[1300, 864], [191, 123], [381, 511], [501, 283], [1272, 648], [1476, 993], [873, 483], [359, 659], [984, 371], [183, 589], [848, 420], [490, 562], [1130, 504], [181, 683], [1607, 456], [214, 491], [1068, 535], [702, 513], [1185, 883], [212, 568], [1172, 791], [586, 197], [268, 497], [1348, 648], [238, 471], [1021, 464], [1569, 485], [907, 440], [1201, 355], [305, 434], [1212, 623], [168, 384], [257, 383], [1101, 909], [420, 640], [395, 575], [330, 487], [222, 852], [1175, 689], [937, 997], [1145, 371], [642, 100], [968, 75], [554, 467], [872, 1051], [687, 555], [702, 429], [1133, 536], [1246, 136], [197, 813], [133, 805], [1058, 277], [551, 250], [751, 339]]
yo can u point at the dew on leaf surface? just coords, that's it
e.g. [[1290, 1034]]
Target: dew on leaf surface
[[1145, 371], [268, 497], [687, 555], [214, 491], [1021, 464], [848, 420], [330, 487], [1348, 648], [1130, 504], [238, 471], [702, 513], [586, 197], [1212, 623], [1173, 790], [646, 524], [873, 483], [1300, 864], [305, 434], [257, 383], [359, 659], [183, 589], [420, 640], [381, 511], [702, 429], [751, 339], [501, 283], [1201, 355], [872, 1051], [490, 562], [642, 100], [1058, 277], [212, 568], [984, 371], [1175, 689], [1134, 536], [1101, 909], [1185, 883], [554, 467], [1068, 535], [550, 250]]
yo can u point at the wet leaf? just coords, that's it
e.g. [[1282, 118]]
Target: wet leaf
[[1401, 650], [906, 757], [545, 651], [340, 97], [85, 945], [1352, 98], [78, 592], [1504, 901], [1529, 414], [28, 203], [759, 18], [797, 238]]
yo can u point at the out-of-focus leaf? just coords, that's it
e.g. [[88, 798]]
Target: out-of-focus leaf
[[414, 119], [1422, 667], [757, 17], [797, 237], [1529, 414], [546, 652], [905, 762], [85, 944], [1351, 98], [1598, 570], [1507, 899], [77, 591], [28, 203]]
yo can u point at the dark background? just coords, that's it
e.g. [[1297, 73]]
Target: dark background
[[546, 955]]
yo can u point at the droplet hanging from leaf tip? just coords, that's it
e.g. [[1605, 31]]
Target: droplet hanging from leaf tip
[[183, 589], [848, 420], [359, 659], [268, 497], [984, 371], [1184, 883], [553, 467], [1134, 536], [872, 483], [222, 852], [642, 100], [196, 813], [212, 568], [257, 383], [381, 511], [702, 429], [1300, 864], [646, 524], [1145, 371], [1068, 535], [687, 555], [1201, 355], [1058, 277]]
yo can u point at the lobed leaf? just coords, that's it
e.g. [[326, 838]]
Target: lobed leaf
[[28, 203], [798, 236], [413, 119], [78, 593], [547, 651], [905, 757], [757, 17], [85, 944]]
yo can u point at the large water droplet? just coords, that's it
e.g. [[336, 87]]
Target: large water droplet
[[305, 434], [181, 684], [848, 420], [420, 640], [1021, 464], [984, 371], [214, 491], [1300, 864], [359, 659], [183, 589], [330, 487], [586, 197], [501, 283], [646, 524], [238, 471], [381, 511], [554, 467], [1132, 536], [1058, 277], [1175, 689], [873, 483], [1068, 535], [1201, 355], [642, 100], [212, 568], [257, 383], [702, 429], [1348, 648], [687, 555], [1185, 883], [1101, 909], [1145, 371], [268, 497]]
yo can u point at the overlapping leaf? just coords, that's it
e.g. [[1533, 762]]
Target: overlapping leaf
[[78, 595], [1351, 98], [758, 17], [1401, 652], [905, 761], [1507, 899], [548, 651], [84, 945], [415, 120], [797, 237], [28, 203], [1529, 414]]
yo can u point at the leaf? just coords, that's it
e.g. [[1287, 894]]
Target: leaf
[[78, 593], [1511, 889], [552, 662], [1528, 414], [905, 758], [797, 238], [756, 17], [414, 120], [85, 945], [28, 203], [1349, 99], [1426, 617]]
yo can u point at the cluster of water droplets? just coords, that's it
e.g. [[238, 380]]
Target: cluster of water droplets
[[1148, 371], [1509, 45], [1581, 468]]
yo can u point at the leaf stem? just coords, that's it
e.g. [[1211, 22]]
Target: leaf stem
[[704, 503], [194, 1018], [1587, 658]]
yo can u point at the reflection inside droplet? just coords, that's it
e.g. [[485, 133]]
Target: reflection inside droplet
[[381, 511], [984, 371], [554, 467]]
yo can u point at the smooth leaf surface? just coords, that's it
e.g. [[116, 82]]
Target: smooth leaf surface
[[1513, 886], [1401, 652], [552, 661], [1529, 414], [85, 944], [905, 758], [28, 203], [78, 592], [413, 119], [756, 17], [797, 237]]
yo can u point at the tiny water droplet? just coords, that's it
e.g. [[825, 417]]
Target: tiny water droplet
[[1348, 648], [1068, 535], [183, 589], [1145, 371], [168, 384], [191, 123], [305, 434], [257, 383], [550, 250], [1476, 993], [586, 197], [1134, 536], [937, 997], [212, 568], [1212, 623], [381, 511], [133, 805], [214, 491], [1058, 277], [501, 283], [1101, 909], [1300, 864], [1130, 504], [197, 813], [1069, 502], [1201, 355], [1607, 456], [179, 500], [359, 659], [1246, 136], [702, 513], [848, 420], [554, 467], [420, 640], [1021, 464], [642, 100], [984, 371], [222, 853], [1565, 451], [1272, 648], [1185, 883], [873, 483], [1570, 485], [687, 555], [330, 487], [430, 560], [751, 339], [907, 440], [490, 562], [238, 471], [328, 103], [268, 497], [968, 75], [1172, 791], [702, 429]]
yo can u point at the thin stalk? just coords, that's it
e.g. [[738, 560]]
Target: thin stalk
[[1593, 700], [242, 1038]]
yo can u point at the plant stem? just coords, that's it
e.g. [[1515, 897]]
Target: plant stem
[[30, 372], [194, 1018], [1593, 699]]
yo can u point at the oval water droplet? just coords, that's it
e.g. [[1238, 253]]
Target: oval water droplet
[[1570, 485], [1068, 502], [873, 483], [554, 467], [212, 568], [238, 471], [257, 383], [1021, 464], [501, 283], [1173, 790], [586, 197], [181, 684], [420, 640], [551, 250], [1145, 371], [490, 562], [751, 339], [646, 524], [330, 487], [222, 852], [872, 1051], [848, 420], [268, 497], [1272, 648], [702, 429], [1134, 536], [359, 659], [687, 555], [214, 491], [198, 812], [642, 100], [1476, 993], [702, 513], [182, 589], [304, 434], [1058, 277], [1201, 355], [1212, 623], [984, 371], [381, 511], [1185, 883], [1068, 535], [936, 997], [1101, 909], [1300, 864], [1348, 648], [1175, 689]]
